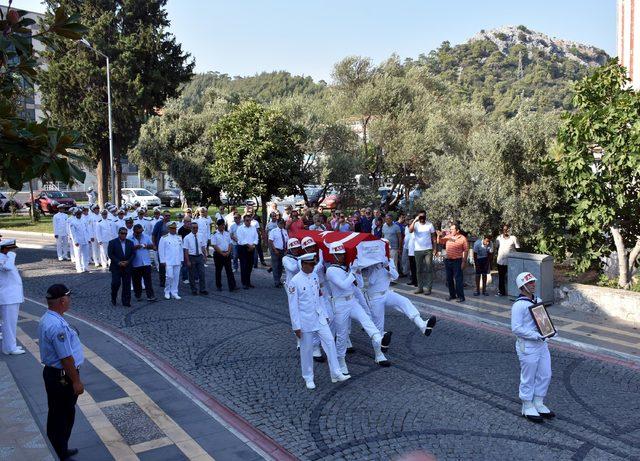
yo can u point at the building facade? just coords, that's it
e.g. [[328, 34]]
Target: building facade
[[628, 36]]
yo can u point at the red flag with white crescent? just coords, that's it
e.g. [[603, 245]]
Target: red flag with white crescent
[[349, 240]]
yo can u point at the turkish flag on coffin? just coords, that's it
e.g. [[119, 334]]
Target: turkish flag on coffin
[[368, 248]]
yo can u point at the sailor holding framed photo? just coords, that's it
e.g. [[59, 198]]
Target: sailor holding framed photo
[[532, 326]]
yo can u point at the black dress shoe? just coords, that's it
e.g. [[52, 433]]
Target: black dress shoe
[[138, 299], [451, 298], [431, 322], [549, 415], [384, 363], [204, 292], [320, 359], [152, 300], [71, 452], [127, 305], [386, 339], [251, 286], [534, 419], [461, 300]]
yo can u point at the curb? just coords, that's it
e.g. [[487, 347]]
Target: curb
[[568, 345], [195, 393], [12, 233]]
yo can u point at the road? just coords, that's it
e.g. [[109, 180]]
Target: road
[[453, 394]]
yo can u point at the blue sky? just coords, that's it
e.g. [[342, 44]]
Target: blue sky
[[243, 37]]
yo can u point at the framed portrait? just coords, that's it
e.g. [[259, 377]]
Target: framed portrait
[[542, 320]]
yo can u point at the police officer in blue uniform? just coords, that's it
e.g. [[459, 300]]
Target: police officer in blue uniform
[[61, 354]]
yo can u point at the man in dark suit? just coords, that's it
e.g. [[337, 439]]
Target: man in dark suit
[[121, 254]]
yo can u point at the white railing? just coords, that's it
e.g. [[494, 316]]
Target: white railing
[[51, 185]]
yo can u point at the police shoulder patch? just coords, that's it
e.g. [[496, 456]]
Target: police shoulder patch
[[292, 289], [61, 337]]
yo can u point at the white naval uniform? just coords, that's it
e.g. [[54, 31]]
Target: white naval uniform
[[105, 232], [171, 253], [11, 296], [61, 231], [346, 306], [72, 252], [204, 230], [81, 239], [308, 315], [380, 296], [533, 351], [95, 247]]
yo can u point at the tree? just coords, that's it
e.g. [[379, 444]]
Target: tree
[[147, 67], [599, 171], [32, 149], [257, 152]]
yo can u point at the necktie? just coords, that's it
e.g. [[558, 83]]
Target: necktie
[[197, 246], [283, 243]]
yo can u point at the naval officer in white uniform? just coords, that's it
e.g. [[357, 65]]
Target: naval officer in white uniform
[[171, 254], [11, 296], [533, 352], [309, 318]]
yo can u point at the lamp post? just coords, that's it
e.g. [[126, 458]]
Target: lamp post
[[86, 43]]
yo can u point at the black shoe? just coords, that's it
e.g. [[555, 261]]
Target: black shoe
[[269, 270], [246, 287], [476, 293], [431, 322], [351, 350], [220, 289], [71, 452], [233, 289], [152, 300], [251, 286], [204, 292], [549, 415], [461, 300], [386, 339], [534, 419], [451, 298], [127, 305], [113, 302], [320, 359], [138, 299], [384, 363], [427, 293], [384, 348]]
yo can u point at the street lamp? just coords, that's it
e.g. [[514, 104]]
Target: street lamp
[[86, 43]]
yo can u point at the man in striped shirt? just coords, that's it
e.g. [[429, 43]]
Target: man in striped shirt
[[457, 248]]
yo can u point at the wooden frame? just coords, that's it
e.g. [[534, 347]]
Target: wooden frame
[[543, 321]]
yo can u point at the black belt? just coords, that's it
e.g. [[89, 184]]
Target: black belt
[[453, 259], [57, 371]]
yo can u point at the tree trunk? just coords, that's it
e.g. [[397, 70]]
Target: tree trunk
[[102, 173], [32, 212], [633, 257], [624, 280]]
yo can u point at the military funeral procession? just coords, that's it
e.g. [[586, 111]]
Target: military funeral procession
[[418, 244]]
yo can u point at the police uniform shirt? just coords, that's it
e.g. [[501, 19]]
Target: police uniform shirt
[[58, 341], [60, 224], [291, 267], [222, 240]]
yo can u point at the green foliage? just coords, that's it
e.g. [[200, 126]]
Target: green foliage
[[256, 151], [32, 149], [599, 171]]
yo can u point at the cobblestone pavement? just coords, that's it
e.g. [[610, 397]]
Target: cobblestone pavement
[[453, 394]]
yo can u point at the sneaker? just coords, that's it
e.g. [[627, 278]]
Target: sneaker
[[310, 385]]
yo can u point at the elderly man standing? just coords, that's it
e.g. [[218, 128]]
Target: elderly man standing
[[171, 256], [194, 254], [247, 236], [121, 253], [222, 247], [11, 296]]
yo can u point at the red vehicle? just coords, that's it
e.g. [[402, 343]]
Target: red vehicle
[[47, 201]]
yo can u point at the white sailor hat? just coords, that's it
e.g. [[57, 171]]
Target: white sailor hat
[[121, 210], [104, 211], [142, 209], [293, 243], [157, 208], [77, 209], [129, 219], [172, 224], [9, 243], [307, 242], [337, 249], [94, 206], [307, 258]]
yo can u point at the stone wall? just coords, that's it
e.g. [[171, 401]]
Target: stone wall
[[610, 302]]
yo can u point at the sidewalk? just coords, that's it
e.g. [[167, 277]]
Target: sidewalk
[[129, 410]]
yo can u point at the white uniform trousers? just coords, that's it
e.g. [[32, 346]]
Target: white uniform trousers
[[306, 352], [62, 246], [95, 252], [81, 257], [391, 299], [104, 257], [535, 369], [9, 325], [343, 312], [173, 280]]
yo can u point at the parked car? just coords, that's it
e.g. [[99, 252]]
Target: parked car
[[6, 202], [170, 197], [47, 201], [146, 198]]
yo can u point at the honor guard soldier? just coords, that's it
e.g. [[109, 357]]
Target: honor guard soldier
[[60, 220], [309, 318], [171, 254], [11, 296], [533, 352], [380, 297], [291, 266], [61, 354], [93, 219], [105, 232], [309, 246], [345, 306], [81, 240]]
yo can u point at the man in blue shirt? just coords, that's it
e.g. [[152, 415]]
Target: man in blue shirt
[[142, 264], [61, 354]]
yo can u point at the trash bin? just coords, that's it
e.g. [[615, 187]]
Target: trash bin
[[541, 266]]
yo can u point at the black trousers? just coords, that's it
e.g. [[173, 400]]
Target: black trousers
[[246, 264], [502, 279], [62, 409], [163, 274], [139, 274], [412, 268], [455, 277], [223, 262], [118, 278]]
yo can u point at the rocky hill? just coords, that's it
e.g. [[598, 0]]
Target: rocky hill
[[505, 38]]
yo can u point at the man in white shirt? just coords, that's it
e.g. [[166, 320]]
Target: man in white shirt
[[424, 241], [236, 222], [247, 236], [194, 251], [171, 254], [505, 244], [105, 232], [94, 217], [11, 296], [309, 320], [278, 238], [60, 232], [204, 229], [223, 248]]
